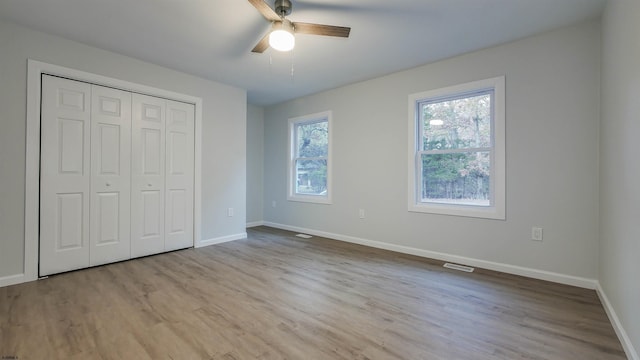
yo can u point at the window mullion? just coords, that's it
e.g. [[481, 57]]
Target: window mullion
[[311, 158]]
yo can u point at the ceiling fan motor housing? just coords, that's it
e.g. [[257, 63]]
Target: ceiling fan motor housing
[[283, 7]]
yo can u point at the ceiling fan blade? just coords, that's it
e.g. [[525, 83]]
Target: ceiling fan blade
[[318, 29], [262, 45], [265, 10]]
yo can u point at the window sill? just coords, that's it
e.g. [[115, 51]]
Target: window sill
[[484, 212], [310, 199]]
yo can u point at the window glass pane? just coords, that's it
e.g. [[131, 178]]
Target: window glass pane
[[456, 178], [311, 177], [457, 123], [312, 139]]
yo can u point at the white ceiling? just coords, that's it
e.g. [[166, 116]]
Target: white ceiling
[[213, 38]]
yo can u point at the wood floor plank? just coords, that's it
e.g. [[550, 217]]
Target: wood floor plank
[[276, 296]]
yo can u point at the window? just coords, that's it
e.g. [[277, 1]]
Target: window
[[457, 150], [310, 158]]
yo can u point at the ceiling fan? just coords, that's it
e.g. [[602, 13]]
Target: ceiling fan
[[281, 35]]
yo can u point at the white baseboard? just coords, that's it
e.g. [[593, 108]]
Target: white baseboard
[[12, 280], [617, 325], [254, 224], [484, 264], [221, 239]]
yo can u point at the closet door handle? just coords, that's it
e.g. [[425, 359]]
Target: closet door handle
[[108, 184], [149, 185]]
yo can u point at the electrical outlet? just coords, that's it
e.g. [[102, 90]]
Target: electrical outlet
[[273, 203], [230, 212], [361, 213], [536, 233]]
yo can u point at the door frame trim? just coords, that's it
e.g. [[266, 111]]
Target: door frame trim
[[35, 69]]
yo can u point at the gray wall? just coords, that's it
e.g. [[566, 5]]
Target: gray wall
[[255, 160], [620, 164], [552, 107], [223, 126]]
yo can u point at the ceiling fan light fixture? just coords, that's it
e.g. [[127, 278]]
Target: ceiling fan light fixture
[[281, 37]]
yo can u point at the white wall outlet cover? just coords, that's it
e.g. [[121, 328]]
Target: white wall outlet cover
[[536, 233]]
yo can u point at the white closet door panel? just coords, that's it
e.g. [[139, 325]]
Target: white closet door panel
[[151, 148], [65, 175], [152, 213], [147, 175], [68, 217], [179, 175], [71, 146], [106, 226], [111, 175]]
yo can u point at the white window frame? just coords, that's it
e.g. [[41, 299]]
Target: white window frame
[[496, 209], [291, 164]]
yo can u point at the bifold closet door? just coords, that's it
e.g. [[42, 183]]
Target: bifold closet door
[[162, 175], [85, 175], [117, 174], [179, 176], [147, 175], [64, 175], [111, 175]]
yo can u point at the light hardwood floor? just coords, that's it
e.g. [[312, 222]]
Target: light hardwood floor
[[275, 296]]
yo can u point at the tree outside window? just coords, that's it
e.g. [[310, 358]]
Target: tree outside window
[[456, 150]]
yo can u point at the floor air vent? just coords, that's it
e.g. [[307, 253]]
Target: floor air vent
[[458, 267], [304, 236]]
